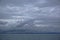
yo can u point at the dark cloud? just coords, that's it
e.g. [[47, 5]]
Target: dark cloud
[[21, 15], [2, 23]]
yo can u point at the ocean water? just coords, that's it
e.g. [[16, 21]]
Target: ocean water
[[29, 36]]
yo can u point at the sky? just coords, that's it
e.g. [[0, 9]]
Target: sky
[[30, 15]]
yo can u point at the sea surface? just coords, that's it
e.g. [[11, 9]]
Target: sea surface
[[29, 36]]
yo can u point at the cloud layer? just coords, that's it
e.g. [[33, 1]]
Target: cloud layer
[[32, 15]]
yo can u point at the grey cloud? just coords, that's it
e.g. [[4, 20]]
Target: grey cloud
[[49, 3], [29, 11], [41, 3], [3, 23], [16, 2]]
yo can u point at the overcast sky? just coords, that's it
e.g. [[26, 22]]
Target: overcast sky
[[20, 12]]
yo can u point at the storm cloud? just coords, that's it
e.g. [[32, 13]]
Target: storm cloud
[[30, 15]]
